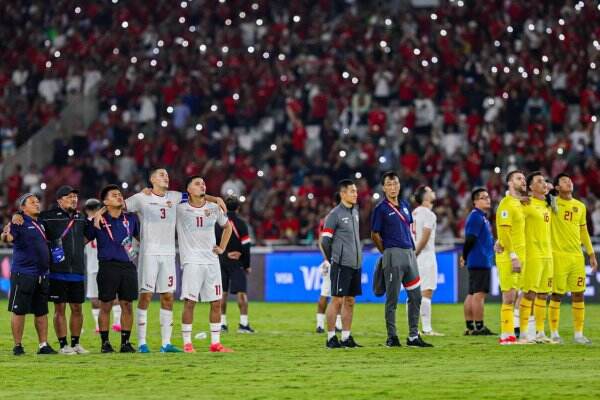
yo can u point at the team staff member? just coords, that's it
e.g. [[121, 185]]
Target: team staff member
[[64, 227], [29, 274], [478, 256], [340, 241], [569, 232], [235, 266], [390, 231], [117, 274]]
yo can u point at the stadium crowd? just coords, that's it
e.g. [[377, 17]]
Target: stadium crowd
[[275, 102]]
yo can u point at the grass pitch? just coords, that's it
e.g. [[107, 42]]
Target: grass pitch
[[286, 360]]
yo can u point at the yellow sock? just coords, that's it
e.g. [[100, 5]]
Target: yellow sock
[[539, 311], [578, 316], [554, 315], [524, 313], [507, 325]]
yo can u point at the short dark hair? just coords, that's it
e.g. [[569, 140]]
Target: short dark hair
[[152, 172], [344, 183], [389, 175], [475, 193], [190, 179], [561, 175], [419, 193], [511, 173], [532, 175], [232, 203], [107, 189]]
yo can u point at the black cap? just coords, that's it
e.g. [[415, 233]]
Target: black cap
[[64, 191]]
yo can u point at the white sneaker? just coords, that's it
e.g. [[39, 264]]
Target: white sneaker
[[432, 333], [541, 338], [525, 340], [582, 340], [557, 340], [80, 350], [67, 350]]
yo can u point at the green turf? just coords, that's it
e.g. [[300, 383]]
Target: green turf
[[286, 360]]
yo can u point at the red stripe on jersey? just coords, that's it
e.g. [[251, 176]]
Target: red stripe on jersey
[[327, 230]]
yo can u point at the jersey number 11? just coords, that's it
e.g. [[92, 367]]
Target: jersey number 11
[[199, 221]]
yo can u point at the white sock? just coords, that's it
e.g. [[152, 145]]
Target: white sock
[[223, 319], [345, 335], [578, 335], [142, 321], [554, 334], [215, 333], [338, 322], [320, 320], [116, 314], [244, 320], [426, 314], [330, 334], [42, 344], [186, 332], [531, 327], [413, 338], [166, 326], [516, 319], [95, 314]]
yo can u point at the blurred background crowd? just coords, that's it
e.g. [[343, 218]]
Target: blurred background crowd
[[277, 101]]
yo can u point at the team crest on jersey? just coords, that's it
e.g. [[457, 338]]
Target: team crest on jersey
[[575, 209], [504, 214], [169, 203], [405, 210], [207, 213]]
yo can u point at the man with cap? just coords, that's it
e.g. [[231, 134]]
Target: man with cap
[[29, 274], [64, 226]]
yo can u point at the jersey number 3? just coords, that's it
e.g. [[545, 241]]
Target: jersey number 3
[[163, 213]]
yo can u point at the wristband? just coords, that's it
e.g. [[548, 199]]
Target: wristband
[[513, 256]]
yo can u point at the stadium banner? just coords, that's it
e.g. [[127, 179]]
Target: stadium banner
[[255, 279], [295, 276]]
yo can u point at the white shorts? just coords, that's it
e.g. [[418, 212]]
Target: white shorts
[[201, 282], [326, 286], [157, 274], [92, 286], [427, 264]]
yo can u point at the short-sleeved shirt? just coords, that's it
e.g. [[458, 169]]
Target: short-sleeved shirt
[[510, 213], [393, 228], [566, 226], [196, 232], [423, 218], [537, 229], [111, 248], [157, 219], [31, 255], [482, 253]]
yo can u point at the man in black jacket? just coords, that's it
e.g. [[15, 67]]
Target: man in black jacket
[[235, 266], [64, 226]]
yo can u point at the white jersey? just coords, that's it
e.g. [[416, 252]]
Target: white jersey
[[157, 218], [196, 232], [423, 217], [91, 257]]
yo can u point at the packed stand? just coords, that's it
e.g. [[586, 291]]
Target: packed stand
[[276, 103]]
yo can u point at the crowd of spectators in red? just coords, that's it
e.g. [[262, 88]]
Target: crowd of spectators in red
[[275, 102]]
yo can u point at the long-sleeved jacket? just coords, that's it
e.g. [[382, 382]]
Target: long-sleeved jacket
[[239, 241], [340, 238]]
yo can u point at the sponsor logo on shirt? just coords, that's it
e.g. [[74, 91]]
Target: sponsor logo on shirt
[[504, 214]]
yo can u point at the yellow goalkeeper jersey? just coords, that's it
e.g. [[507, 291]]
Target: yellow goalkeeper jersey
[[510, 213], [566, 226], [538, 234]]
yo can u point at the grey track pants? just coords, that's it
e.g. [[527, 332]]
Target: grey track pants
[[400, 268]]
